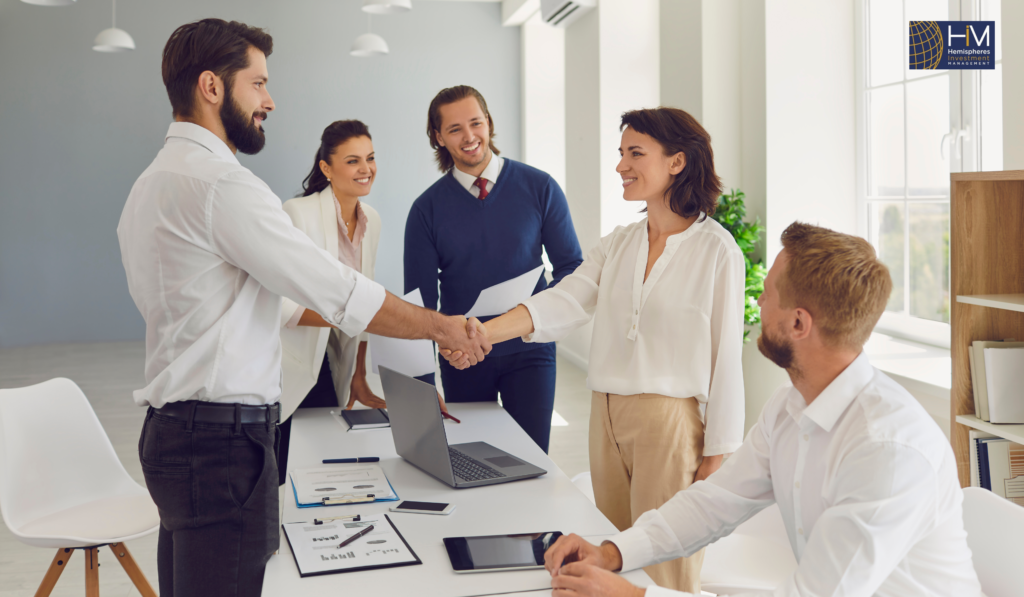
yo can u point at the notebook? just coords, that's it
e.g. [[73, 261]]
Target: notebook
[[366, 418]]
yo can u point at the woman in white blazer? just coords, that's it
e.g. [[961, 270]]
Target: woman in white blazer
[[331, 214]]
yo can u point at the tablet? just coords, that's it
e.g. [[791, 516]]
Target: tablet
[[495, 553]]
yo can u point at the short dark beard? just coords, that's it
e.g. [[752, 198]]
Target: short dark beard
[[240, 127], [777, 351]]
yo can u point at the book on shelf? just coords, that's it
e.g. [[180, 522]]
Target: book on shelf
[[1000, 466], [1004, 379], [979, 376]]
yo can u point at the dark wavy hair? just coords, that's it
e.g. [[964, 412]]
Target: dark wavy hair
[[207, 45], [334, 135], [696, 189], [443, 98]]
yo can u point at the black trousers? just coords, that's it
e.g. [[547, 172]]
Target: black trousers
[[215, 487], [322, 395]]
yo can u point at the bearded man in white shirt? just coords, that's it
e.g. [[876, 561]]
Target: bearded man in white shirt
[[866, 482], [209, 252]]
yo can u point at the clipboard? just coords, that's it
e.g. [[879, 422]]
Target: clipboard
[[318, 564], [324, 503]]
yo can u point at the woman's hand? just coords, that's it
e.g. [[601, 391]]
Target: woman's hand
[[707, 467], [360, 392]]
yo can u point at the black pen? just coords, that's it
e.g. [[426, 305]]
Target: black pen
[[351, 460], [356, 536]]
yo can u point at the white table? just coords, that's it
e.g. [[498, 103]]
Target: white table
[[547, 503]]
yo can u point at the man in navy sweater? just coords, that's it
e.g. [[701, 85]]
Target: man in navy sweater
[[484, 222]]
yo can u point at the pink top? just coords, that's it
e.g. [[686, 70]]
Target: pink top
[[350, 252]]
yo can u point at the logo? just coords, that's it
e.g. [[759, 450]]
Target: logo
[[958, 45]]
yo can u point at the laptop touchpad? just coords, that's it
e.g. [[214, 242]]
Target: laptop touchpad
[[504, 461]]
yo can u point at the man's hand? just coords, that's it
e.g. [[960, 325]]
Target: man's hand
[[469, 348], [584, 580], [573, 548], [360, 392], [708, 465]]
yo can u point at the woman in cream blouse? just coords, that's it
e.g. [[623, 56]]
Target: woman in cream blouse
[[331, 214], [666, 295]]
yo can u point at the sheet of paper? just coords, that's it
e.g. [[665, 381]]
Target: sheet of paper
[[340, 480], [408, 357], [316, 550], [504, 297]]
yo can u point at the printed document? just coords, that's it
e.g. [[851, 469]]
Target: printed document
[[316, 547], [312, 485], [502, 298]]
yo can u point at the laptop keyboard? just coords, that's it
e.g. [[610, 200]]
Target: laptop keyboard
[[468, 469]]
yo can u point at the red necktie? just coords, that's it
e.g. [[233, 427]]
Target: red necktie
[[481, 183]]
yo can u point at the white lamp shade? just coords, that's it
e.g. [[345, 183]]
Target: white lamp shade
[[369, 44], [50, 2], [386, 7], [113, 40]]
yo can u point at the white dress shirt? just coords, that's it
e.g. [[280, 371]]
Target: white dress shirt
[[679, 334], [490, 174], [867, 485], [209, 252]]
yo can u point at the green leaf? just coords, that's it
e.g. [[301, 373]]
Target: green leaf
[[730, 214]]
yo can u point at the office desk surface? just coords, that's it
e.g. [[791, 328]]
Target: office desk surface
[[547, 503]]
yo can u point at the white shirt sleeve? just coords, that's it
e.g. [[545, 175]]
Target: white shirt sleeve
[[726, 408], [247, 227], [561, 309]]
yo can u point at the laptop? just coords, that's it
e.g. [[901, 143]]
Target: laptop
[[418, 431]]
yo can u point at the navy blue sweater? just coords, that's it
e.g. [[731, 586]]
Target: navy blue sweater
[[476, 244]]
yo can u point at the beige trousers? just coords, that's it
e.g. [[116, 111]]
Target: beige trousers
[[644, 449]]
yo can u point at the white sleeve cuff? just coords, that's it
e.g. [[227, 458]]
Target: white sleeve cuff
[[716, 449], [366, 299], [635, 548], [534, 315]]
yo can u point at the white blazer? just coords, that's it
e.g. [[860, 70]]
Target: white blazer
[[304, 346]]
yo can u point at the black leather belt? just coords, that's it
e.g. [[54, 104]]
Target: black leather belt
[[217, 412]]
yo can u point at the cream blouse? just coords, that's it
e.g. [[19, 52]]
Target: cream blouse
[[678, 334]]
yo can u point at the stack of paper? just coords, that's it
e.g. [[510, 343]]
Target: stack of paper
[[340, 481], [997, 377]]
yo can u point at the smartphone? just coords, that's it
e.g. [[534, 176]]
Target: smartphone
[[424, 507]]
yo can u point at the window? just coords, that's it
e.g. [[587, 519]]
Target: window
[[915, 127]]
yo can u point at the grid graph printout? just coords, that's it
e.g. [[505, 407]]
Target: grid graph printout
[[316, 547]]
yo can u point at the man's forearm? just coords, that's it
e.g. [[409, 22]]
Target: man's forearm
[[399, 319]]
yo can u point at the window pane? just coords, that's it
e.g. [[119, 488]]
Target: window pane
[[927, 122], [887, 41], [923, 10], [885, 143], [929, 261], [991, 11], [992, 119], [885, 224]]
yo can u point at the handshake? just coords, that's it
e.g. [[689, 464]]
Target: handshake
[[463, 342]]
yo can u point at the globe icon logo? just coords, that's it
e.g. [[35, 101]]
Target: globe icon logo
[[925, 45]]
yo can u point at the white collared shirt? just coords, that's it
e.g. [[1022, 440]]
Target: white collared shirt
[[678, 334], [208, 252], [490, 174], [866, 483]]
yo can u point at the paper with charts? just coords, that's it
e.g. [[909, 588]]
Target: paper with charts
[[312, 485], [316, 547], [408, 357], [502, 298]]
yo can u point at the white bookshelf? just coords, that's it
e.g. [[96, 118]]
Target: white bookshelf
[[1009, 302], [1014, 433]]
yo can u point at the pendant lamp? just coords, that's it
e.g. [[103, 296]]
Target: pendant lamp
[[387, 7], [113, 39], [50, 2], [369, 44]]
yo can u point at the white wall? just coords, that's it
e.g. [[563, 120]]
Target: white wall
[[543, 85], [1013, 84], [78, 127], [810, 115]]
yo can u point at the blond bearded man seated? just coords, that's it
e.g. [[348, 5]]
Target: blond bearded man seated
[[865, 480]]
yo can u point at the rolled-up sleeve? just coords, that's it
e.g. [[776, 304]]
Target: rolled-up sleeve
[[248, 228], [723, 419]]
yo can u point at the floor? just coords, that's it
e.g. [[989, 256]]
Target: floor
[[107, 374]]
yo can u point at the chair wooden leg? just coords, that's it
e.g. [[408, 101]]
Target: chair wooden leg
[[128, 563], [57, 566], [92, 572]]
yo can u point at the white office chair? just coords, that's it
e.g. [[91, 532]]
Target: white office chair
[[757, 556], [994, 529], [62, 486]]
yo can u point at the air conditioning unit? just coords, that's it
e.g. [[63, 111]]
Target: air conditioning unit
[[562, 13]]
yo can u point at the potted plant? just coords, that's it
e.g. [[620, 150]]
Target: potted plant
[[730, 213]]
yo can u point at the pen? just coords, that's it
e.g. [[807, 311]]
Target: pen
[[351, 460], [350, 517], [444, 414], [356, 536]]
